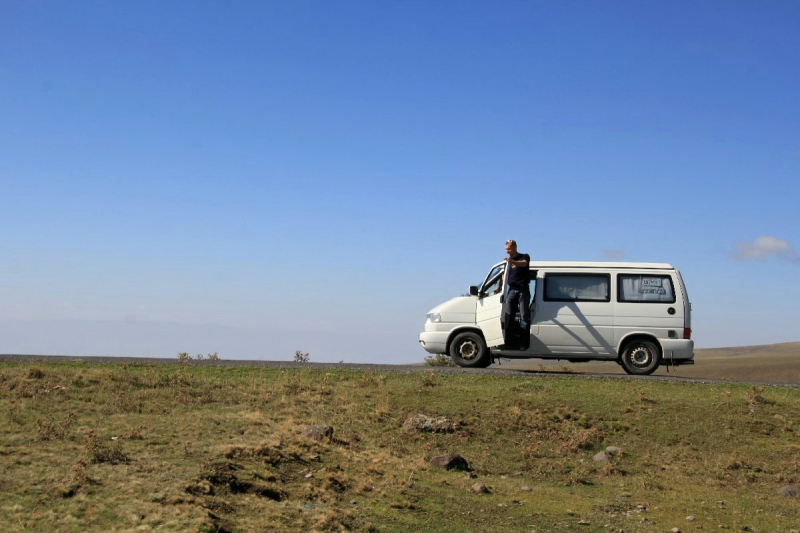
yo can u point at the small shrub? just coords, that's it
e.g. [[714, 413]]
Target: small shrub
[[100, 452], [439, 359], [300, 357], [50, 429], [35, 372], [213, 356], [199, 357], [184, 357], [429, 380]]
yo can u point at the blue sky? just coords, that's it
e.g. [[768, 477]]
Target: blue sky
[[317, 175]]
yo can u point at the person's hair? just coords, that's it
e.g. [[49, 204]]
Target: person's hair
[[511, 242]]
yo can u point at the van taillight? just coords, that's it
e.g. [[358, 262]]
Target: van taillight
[[687, 333]]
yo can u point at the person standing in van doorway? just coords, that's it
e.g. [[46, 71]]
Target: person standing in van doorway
[[519, 286]]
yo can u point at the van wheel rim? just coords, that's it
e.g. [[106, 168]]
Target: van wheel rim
[[641, 357], [468, 350]]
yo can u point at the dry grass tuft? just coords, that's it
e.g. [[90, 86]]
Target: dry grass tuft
[[372, 379], [577, 439], [51, 429], [429, 380], [14, 415], [76, 478], [35, 372], [136, 433], [98, 451], [755, 398]]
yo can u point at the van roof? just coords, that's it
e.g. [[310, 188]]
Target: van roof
[[599, 264]]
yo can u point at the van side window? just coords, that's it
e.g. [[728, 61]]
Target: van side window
[[577, 287], [645, 288]]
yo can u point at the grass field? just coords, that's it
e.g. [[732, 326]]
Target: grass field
[[775, 363], [87, 447]]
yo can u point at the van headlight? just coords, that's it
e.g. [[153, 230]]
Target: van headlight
[[433, 318]]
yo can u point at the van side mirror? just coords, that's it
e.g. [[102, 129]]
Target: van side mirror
[[473, 290]]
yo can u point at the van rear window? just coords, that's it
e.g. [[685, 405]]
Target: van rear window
[[577, 287], [641, 288]]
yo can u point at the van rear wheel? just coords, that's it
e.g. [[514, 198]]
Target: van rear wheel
[[641, 358], [469, 350]]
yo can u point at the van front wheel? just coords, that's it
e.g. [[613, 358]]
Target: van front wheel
[[469, 350], [641, 358]]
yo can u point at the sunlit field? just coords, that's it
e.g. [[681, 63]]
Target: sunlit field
[[88, 447]]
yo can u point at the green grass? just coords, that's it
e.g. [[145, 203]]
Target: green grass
[[214, 448]]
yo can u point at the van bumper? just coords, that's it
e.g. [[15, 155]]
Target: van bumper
[[434, 341], [677, 349]]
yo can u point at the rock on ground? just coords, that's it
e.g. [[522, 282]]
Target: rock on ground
[[480, 488], [600, 457], [318, 432], [790, 491], [611, 451], [429, 424], [451, 461]]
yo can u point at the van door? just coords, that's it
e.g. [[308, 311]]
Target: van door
[[574, 315], [490, 305]]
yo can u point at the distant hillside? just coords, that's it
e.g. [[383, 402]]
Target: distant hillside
[[790, 349]]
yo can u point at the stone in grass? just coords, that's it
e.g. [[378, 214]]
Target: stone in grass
[[611, 451], [450, 461], [480, 488], [526, 488], [790, 491], [690, 518], [319, 432], [429, 424], [600, 457], [675, 530]]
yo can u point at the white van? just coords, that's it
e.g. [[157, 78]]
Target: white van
[[637, 314]]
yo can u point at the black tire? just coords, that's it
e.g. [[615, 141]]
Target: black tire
[[641, 357], [469, 350]]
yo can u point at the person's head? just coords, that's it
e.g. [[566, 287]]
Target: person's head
[[511, 247]]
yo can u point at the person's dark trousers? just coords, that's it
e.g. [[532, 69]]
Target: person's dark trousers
[[516, 300]]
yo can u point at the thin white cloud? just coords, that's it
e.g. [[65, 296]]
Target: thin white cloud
[[763, 248], [615, 255]]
